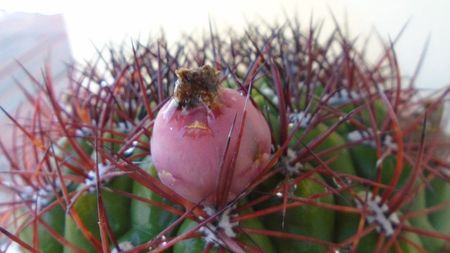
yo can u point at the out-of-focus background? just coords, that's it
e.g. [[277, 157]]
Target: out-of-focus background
[[58, 32], [91, 23]]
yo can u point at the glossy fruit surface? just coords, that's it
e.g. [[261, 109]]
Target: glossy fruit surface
[[192, 147]]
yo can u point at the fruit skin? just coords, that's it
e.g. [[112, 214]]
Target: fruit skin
[[188, 146]]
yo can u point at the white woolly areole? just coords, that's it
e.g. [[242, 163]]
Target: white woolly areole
[[389, 142], [131, 105], [377, 213], [40, 197], [127, 126], [91, 178], [366, 138], [343, 97], [270, 93], [9, 247], [301, 119], [125, 245], [223, 224], [291, 170], [83, 132], [267, 91]]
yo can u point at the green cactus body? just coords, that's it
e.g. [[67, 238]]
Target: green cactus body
[[406, 247], [64, 147], [419, 203], [341, 158], [189, 245], [147, 221], [86, 208], [64, 150], [135, 235], [269, 111], [362, 116], [117, 209], [47, 243], [260, 242], [439, 192], [369, 243], [305, 220], [365, 161], [347, 223], [379, 111]]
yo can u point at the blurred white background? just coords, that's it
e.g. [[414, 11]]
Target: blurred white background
[[98, 22]]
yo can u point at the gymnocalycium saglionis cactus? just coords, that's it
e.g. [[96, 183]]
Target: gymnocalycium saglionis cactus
[[265, 141]]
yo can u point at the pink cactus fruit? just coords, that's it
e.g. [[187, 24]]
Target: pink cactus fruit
[[205, 129]]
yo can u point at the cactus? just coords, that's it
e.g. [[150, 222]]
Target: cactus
[[357, 158]]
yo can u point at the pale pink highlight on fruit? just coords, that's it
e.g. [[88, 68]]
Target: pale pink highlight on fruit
[[188, 146]]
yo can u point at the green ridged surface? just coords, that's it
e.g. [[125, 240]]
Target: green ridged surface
[[307, 220], [117, 209], [47, 243], [147, 221]]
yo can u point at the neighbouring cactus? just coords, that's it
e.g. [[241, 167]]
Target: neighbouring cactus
[[263, 142]]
